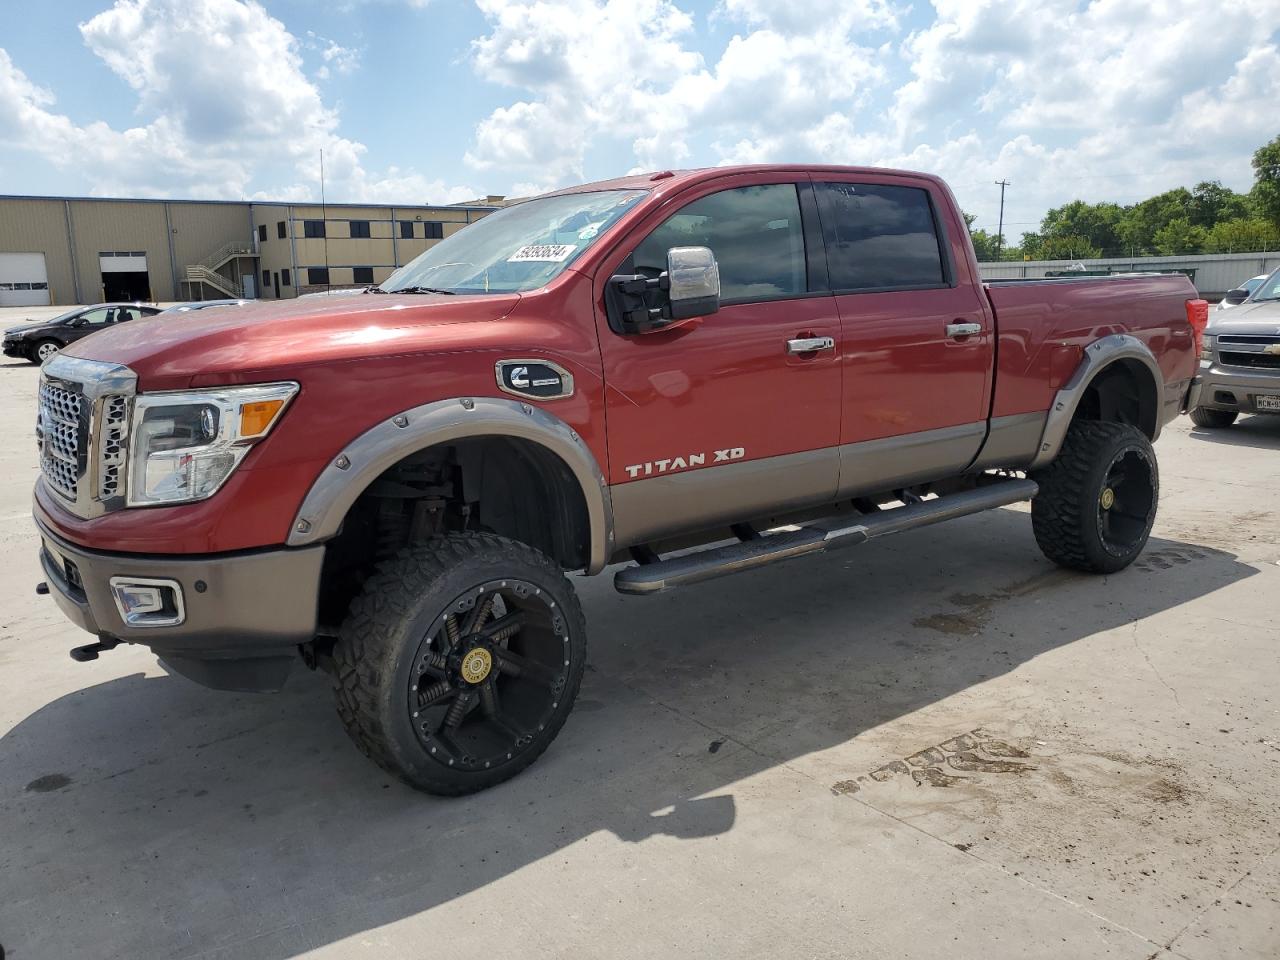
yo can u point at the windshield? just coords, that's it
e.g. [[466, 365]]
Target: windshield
[[1270, 289], [518, 248]]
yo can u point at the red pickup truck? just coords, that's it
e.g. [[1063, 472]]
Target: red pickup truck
[[701, 372]]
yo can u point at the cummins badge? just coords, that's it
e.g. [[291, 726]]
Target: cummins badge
[[534, 379]]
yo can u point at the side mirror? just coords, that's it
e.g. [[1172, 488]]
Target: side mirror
[[1236, 296], [690, 287], [694, 282]]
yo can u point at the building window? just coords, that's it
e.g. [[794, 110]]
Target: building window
[[285, 279], [433, 230], [406, 229], [362, 274], [359, 229], [318, 275], [266, 280], [313, 229], [280, 231], [262, 233]]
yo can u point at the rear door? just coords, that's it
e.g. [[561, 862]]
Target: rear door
[[716, 420], [916, 333]]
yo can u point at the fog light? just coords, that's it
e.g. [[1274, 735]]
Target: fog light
[[148, 603]]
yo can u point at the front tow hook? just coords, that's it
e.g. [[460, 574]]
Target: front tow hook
[[90, 651]]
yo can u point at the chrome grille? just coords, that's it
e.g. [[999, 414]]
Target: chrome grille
[[112, 447], [82, 432], [58, 437]]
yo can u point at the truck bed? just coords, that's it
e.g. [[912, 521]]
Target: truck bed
[[1044, 325]]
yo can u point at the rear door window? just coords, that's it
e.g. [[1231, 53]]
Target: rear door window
[[880, 237], [755, 233]]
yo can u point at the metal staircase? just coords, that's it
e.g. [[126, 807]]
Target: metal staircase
[[205, 273]]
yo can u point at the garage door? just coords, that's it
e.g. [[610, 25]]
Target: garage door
[[24, 282]]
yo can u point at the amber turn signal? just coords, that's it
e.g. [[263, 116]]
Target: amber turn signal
[[256, 417]]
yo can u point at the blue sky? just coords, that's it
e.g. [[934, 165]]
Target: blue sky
[[444, 100]]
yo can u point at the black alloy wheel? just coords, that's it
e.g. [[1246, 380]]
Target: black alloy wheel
[[1126, 503], [489, 674]]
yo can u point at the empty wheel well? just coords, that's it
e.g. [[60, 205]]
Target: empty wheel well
[[504, 485], [1123, 392]]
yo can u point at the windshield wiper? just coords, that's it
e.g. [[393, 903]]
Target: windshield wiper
[[448, 293]]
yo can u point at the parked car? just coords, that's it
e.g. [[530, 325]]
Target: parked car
[[1240, 361], [1233, 298], [38, 340], [749, 363], [205, 305]]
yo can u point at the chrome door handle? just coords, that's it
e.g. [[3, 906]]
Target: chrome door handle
[[810, 344], [963, 329]]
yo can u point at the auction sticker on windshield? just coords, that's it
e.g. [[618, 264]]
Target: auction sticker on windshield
[[543, 253]]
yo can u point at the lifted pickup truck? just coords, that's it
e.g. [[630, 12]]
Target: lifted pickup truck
[[701, 372]]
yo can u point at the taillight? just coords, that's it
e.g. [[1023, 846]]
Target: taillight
[[1198, 317]]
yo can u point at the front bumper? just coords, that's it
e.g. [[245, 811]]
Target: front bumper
[[1228, 388], [244, 613], [15, 348]]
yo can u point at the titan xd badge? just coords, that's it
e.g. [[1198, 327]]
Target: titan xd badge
[[534, 379]]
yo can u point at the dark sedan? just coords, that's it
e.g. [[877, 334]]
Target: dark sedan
[[39, 340]]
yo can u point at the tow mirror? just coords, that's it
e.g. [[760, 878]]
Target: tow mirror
[[1237, 296], [694, 282], [690, 287]]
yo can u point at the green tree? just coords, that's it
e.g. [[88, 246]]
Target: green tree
[[1242, 235], [1212, 203], [1266, 181], [1141, 222], [1180, 235], [1062, 248], [1097, 223], [986, 245]]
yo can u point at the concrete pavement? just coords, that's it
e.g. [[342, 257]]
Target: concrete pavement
[[934, 745]]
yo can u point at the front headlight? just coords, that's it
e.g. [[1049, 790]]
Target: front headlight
[[1206, 346], [183, 446]]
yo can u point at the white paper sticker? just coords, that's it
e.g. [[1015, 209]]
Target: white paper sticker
[[543, 253]]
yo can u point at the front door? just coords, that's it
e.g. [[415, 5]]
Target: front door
[[720, 418], [916, 332], [275, 276]]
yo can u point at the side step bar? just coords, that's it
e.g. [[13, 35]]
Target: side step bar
[[648, 578]]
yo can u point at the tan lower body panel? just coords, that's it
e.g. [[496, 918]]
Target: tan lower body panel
[[658, 507]]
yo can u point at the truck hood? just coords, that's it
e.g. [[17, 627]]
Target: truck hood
[[1258, 318], [167, 350]]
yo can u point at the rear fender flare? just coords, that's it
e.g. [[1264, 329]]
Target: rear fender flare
[[365, 458], [1098, 356]]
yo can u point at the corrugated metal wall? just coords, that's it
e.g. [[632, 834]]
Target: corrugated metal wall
[[1215, 274], [98, 226], [39, 226]]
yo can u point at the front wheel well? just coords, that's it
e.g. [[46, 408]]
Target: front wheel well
[[1123, 392], [508, 486]]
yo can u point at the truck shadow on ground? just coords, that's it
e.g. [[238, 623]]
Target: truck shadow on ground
[[1259, 430], [151, 817]]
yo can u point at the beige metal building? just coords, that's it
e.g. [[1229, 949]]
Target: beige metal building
[[67, 250]]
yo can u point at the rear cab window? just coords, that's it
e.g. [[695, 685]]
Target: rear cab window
[[882, 237]]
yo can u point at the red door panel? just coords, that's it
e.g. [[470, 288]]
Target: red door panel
[[723, 382], [903, 372]]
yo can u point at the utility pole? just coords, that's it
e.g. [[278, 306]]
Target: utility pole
[[1000, 229]]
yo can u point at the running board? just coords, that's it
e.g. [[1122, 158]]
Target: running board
[[648, 578]]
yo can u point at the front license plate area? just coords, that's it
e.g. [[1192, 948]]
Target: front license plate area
[[1267, 403]]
